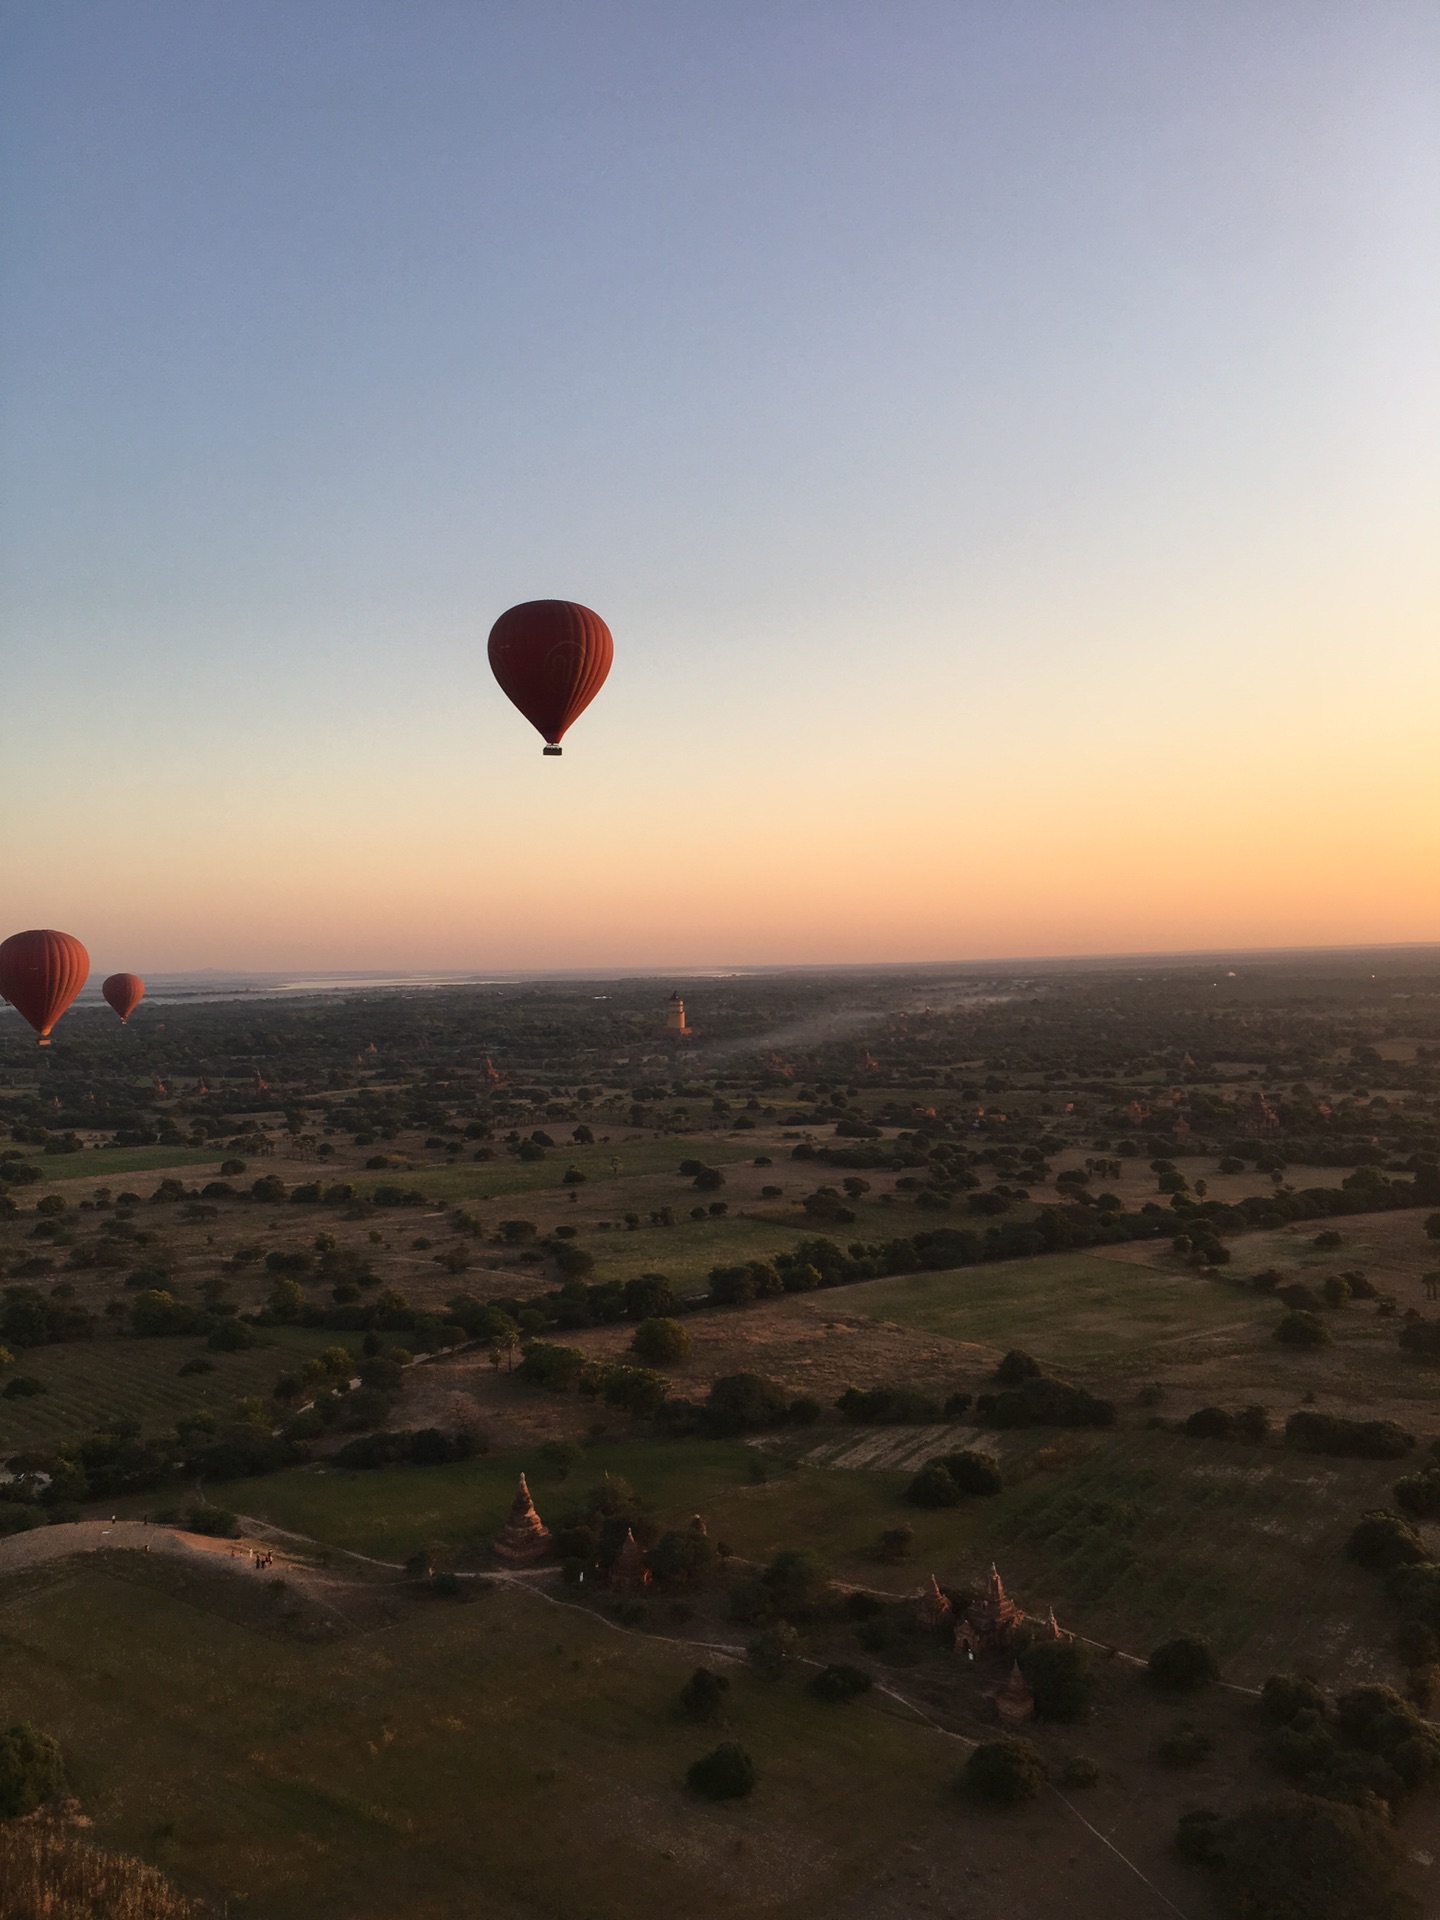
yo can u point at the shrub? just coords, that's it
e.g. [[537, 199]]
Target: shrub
[[702, 1693], [32, 1770], [1418, 1494], [1016, 1368], [213, 1521], [661, 1342], [772, 1651], [1182, 1665], [796, 1581], [1383, 1541], [1302, 1330], [1210, 1423], [885, 1406], [839, 1683], [933, 1486], [1079, 1771], [743, 1403], [726, 1774], [974, 1473], [1283, 1698], [1184, 1747], [1058, 1673], [1301, 1858], [1354, 1439], [1005, 1771]]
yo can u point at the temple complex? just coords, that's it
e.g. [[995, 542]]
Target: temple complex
[[524, 1538], [933, 1610], [628, 1571]]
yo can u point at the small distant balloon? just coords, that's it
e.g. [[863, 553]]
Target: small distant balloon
[[124, 991], [551, 658], [41, 971]]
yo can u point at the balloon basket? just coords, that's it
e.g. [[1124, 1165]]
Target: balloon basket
[[556, 751]]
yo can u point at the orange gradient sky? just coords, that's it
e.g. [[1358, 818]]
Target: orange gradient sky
[[1004, 441]]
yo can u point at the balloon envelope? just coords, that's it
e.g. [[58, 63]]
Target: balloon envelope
[[41, 972], [551, 658], [124, 991]]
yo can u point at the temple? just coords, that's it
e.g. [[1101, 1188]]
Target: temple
[[991, 1623], [628, 1571], [675, 1025], [1014, 1703], [524, 1538], [933, 1610]]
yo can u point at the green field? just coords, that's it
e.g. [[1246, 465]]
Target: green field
[[92, 1382], [464, 1761], [116, 1162], [1063, 1307], [483, 1180]]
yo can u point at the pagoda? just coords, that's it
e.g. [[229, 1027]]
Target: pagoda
[[933, 1611], [524, 1538], [628, 1571], [1014, 1703], [992, 1620]]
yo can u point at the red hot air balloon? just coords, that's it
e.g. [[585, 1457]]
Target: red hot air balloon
[[551, 658], [40, 974], [124, 991]]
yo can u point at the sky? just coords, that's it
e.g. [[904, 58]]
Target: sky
[[1003, 437]]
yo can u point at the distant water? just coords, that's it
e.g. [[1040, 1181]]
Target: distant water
[[171, 989]]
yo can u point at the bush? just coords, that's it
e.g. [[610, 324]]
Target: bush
[[796, 1582], [743, 1403], [702, 1693], [726, 1774], [1383, 1541], [1058, 1673], [1079, 1771], [886, 1406], [1302, 1330], [838, 1684], [32, 1770], [1184, 1747], [1352, 1439], [933, 1486], [1210, 1423], [1182, 1665], [1418, 1494], [1016, 1368], [1004, 1771], [213, 1521], [1301, 1858], [661, 1342]]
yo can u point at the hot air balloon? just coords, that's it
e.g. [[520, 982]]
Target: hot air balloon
[[124, 991], [40, 974], [551, 658]]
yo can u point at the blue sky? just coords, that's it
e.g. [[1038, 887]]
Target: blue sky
[[971, 419]]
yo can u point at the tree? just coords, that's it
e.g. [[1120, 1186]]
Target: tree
[[1383, 1541], [933, 1486], [1058, 1673], [1005, 1771], [1182, 1665], [839, 1684], [651, 1297], [661, 1342], [1016, 1368], [1301, 1858], [32, 1770], [796, 1581], [702, 1693], [975, 1474], [1301, 1329], [743, 1403], [726, 1774]]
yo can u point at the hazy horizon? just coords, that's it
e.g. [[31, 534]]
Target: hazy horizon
[[1004, 441]]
